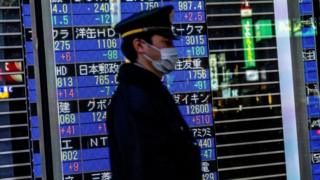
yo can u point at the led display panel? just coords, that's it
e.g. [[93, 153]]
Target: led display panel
[[88, 56]]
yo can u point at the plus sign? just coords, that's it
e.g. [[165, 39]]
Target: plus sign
[[186, 16], [60, 93]]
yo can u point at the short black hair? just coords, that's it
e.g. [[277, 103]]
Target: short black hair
[[127, 45]]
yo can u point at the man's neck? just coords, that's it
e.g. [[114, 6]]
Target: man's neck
[[143, 64]]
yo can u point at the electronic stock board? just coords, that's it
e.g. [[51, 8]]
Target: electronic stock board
[[309, 11], [88, 56]]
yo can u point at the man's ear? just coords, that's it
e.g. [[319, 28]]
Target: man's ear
[[139, 46]]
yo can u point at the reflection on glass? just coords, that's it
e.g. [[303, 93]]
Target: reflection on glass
[[9, 14], [9, 3], [245, 84], [10, 27], [14, 132]]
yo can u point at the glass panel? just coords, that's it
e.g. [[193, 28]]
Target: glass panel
[[8, 3], [9, 14], [15, 162], [10, 27]]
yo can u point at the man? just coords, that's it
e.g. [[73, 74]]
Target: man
[[148, 137]]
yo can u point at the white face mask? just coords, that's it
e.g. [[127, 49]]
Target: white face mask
[[167, 61]]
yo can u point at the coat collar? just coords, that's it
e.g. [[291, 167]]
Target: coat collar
[[133, 74]]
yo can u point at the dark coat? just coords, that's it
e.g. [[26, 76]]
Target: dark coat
[[148, 137]]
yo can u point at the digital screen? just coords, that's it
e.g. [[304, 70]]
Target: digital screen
[[88, 56], [308, 12], [31, 91]]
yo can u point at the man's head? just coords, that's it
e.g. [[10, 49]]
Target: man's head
[[148, 37]]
